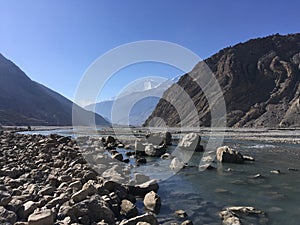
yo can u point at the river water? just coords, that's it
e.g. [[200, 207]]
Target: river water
[[204, 194]]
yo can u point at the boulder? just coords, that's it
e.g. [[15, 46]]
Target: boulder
[[152, 202], [144, 188], [155, 150], [44, 217], [128, 209], [162, 138], [191, 142], [229, 155], [94, 208]]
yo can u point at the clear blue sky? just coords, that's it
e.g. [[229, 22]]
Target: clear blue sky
[[54, 41]]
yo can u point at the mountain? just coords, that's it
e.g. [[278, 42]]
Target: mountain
[[25, 102], [260, 81], [134, 106]]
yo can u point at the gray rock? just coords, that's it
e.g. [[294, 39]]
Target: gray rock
[[80, 195], [144, 188], [76, 185], [57, 201], [44, 217], [5, 198], [166, 156], [191, 142], [94, 208], [118, 156], [152, 202], [128, 209], [187, 222], [49, 190], [155, 150], [27, 209], [180, 213], [229, 155], [147, 218], [6, 216]]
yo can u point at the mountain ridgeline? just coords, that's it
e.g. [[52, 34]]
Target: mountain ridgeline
[[25, 102], [260, 81]]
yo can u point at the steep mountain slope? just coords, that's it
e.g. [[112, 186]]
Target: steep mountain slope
[[25, 102], [260, 80]]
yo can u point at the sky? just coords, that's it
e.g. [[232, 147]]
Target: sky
[[55, 41]]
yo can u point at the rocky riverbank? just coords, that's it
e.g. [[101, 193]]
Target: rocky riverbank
[[57, 180], [46, 180]]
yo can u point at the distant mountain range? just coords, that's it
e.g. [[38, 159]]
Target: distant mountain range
[[260, 80], [26, 102], [143, 98]]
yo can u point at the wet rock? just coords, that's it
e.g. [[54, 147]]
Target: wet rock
[[5, 198], [44, 217], [229, 218], [187, 222], [166, 156], [7, 216], [155, 150], [257, 176], [275, 171], [244, 210], [191, 142], [144, 188], [229, 155], [248, 158], [141, 160], [176, 164], [152, 202], [128, 209], [180, 213], [148, 218], [118, 156]]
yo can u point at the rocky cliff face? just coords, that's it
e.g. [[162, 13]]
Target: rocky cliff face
[[260, 80], [25, 102]]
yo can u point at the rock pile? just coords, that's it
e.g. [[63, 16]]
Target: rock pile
[[46, 180]]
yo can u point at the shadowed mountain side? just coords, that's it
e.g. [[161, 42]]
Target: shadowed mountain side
[[25, 102]]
